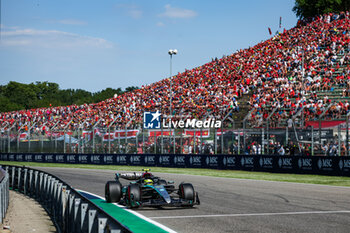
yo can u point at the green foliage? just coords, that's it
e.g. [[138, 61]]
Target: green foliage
[[131, 88], [311, 8], [16, 96]]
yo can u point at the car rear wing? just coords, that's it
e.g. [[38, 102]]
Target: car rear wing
[[129, 175]]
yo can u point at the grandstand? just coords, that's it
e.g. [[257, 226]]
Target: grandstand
[[298, 75]]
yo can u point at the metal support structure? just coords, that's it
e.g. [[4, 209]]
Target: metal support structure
[[118, 142], [161, 139], [9, 139], [174, 140], [347, 134], [93, 136], [287, 135], [222, 131], [4, 194], [51, 132], [319, 122], [239, 143], [29, 135], [64, 136], [268, 129], [215, 142], [181, 142], [109, 135], [143, 140], [81, 140], [339, 141], [201, 145], [2, 147], [155, 143], [312, 141], [194, 141], [244, 128], [41, 139], [171, 52], [18, 138], [222, 139], [126, 134]]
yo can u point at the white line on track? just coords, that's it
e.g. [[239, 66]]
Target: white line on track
[[256, 214]]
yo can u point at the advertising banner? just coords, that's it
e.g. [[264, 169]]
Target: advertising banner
[[324, 165]]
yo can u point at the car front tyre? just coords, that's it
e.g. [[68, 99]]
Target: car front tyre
[[113, 191]]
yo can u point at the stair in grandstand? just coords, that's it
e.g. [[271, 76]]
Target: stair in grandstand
[[244, 108]]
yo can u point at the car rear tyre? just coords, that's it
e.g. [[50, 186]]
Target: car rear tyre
[[186, 191], [133, 195], [113, 191]]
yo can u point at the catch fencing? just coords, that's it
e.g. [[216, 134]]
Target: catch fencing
[[70, 211], [312, 140]]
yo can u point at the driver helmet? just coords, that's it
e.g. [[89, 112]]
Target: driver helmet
[[148, 182]]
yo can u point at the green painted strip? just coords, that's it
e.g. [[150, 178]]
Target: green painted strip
[[133, 222]]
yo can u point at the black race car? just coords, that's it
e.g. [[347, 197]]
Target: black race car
[[148, 190]]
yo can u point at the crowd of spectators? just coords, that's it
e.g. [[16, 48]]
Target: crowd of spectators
[[284, 73], [302, 62]]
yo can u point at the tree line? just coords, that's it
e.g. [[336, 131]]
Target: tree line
[[310, 8], [17, 96]]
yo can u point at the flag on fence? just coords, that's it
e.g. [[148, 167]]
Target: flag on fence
[[197, 132], [158, 133], [97, 132], [23, 136], [108, 137], [129, 133], [87, 135]]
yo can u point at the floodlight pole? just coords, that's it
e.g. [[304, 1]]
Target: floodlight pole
[[171, 83], [171, 52]]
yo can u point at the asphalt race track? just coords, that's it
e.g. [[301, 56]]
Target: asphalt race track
[[235, 205]]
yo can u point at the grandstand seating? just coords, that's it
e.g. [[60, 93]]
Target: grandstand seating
[[299, 73]]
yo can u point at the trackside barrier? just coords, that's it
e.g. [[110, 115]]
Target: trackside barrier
[[322, 165], [4, 193], [70, 211]]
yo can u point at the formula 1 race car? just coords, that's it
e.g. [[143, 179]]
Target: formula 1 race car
[[148, 190]]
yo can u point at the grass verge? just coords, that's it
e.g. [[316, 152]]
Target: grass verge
[[296, 178]]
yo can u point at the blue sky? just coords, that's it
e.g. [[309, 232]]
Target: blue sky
[[93, 45]]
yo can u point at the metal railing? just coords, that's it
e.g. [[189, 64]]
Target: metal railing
[[4, 193], [70, 211]]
